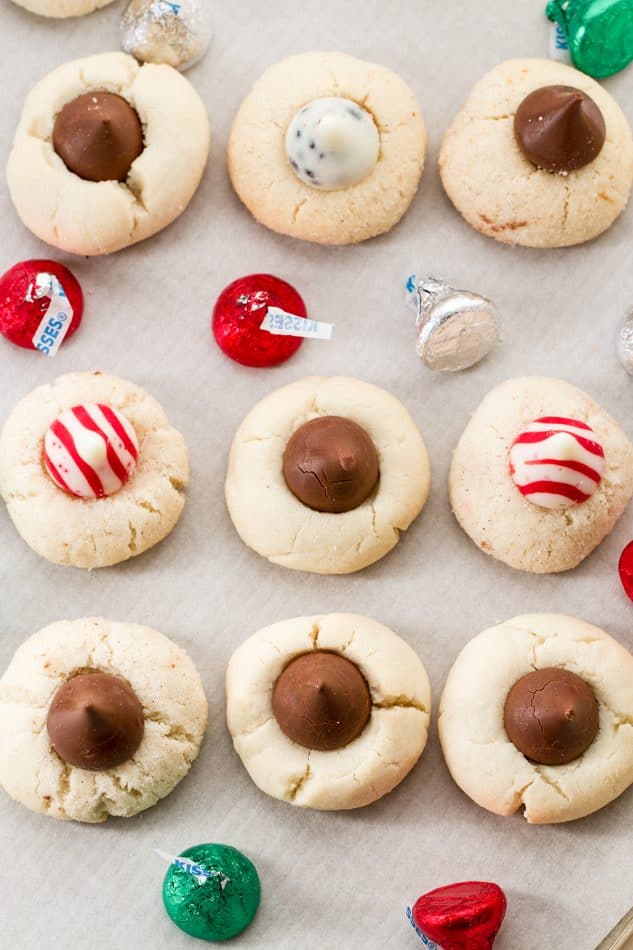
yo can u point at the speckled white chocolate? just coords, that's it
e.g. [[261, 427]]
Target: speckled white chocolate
[[265, 181], [272, 521], [94, 532], [491, 509], [167, 685], [86, 217], [332, 143], [62, 8], [502, 194], [488, 767], [368, 767]]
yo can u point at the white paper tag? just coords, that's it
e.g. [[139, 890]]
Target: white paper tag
[[412, 293], [196, 870], [165, 6], [55, 323], [558, 48], [280, 323]]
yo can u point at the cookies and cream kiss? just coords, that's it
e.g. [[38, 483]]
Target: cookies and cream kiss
[[332, 143]]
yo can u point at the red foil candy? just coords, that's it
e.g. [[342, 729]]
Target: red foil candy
[[238, 314], [625, 569], [19, 316], [464, 916]]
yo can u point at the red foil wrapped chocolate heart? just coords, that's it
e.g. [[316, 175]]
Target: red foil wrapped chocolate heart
[[465, 916]]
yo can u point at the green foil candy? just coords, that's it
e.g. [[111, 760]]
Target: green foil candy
[[599, 33], [224, 904]]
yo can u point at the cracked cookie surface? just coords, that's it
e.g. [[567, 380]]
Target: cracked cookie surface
[[272, 521], [368, 767], [62, 8], [89, 218], [264, 180], [98, 532], [491, 509], [502, 194], [480, 756], [174, 708]]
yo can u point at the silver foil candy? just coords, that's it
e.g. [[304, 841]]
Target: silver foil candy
[[176, 32], [625, 343], [455, 328]]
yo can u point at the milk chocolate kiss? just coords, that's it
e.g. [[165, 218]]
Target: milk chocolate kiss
[[98, 136], [321, 701], [551, 716], [331, 464], [559, 128], [95, 721]]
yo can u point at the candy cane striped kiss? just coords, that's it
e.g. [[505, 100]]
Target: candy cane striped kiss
[[91, 450], [557, 462]]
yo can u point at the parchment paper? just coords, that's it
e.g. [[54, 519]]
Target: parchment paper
[[339, 880]]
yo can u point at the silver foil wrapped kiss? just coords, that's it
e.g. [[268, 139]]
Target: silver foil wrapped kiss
[[175, 32], [455, 328]]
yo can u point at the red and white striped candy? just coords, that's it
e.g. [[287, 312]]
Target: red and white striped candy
[[557, 462], [90, 450]]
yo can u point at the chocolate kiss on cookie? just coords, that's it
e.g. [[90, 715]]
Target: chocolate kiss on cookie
[[321, 701], [95, 721], [551, 716], [98, 136], [331, 464], [559, 128]]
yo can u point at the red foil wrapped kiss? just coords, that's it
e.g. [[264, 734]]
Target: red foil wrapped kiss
[[21, 310], [464, 916], [239, 312], [625, 569]]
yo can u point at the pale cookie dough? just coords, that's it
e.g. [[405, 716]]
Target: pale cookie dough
[[272, 521], [62, 8], [480, 756], [502, 194], [167, 685], [86, 217], [372, 764], [491, 509], [265, 181], [101, 531]]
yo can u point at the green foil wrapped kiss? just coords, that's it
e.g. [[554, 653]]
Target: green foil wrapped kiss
[[599, 33], [216, 898]]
